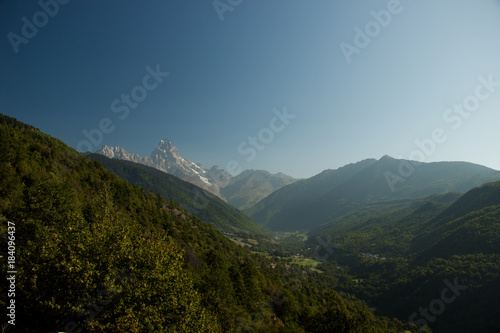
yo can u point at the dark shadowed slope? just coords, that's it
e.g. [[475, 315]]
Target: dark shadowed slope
[[197, 201]]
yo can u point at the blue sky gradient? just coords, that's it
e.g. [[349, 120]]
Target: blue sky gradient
[[228, 78]]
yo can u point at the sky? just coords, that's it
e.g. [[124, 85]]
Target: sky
[[285, 86]]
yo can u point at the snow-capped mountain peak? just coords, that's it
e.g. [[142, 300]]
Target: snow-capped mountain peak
[[119, 153], [168, 148], [166, 158]]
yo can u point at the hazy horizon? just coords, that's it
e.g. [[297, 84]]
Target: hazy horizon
[[296, 88], [206, 167]]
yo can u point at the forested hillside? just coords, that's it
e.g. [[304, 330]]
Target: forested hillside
[[197, 201], [400, 261], [307, 204], [98, 254]]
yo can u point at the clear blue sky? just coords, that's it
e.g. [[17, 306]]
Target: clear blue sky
[[227, 76]]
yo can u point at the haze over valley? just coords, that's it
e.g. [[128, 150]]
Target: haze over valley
[[250, 166]]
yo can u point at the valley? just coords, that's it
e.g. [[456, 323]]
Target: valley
[[233, 166], [381, 245], [350, 253], [287, 248]]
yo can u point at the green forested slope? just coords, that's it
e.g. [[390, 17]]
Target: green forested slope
[[197, 201], [309, 203], [399, 261], [98, 254], [470, 225], [291, 206]]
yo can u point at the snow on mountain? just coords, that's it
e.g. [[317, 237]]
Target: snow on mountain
[[167, 159], [119, 153]]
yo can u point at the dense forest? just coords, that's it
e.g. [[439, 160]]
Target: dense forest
[[402, 261], [95, 253]]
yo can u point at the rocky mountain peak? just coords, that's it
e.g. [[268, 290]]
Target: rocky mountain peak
[[166, 149], [166, 158], [166, 144], [117, 152]]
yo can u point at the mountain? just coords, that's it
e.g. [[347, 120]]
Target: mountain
[[94, 253], [470, 225], [400, 260], [251, 186], [282, 204], [386, 227], [308, 203], [197, 201], [440, 225], [166, 158], [242, 191]]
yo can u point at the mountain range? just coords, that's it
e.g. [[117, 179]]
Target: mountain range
[[98, 254], [309, 203], [80, 227], [241, 191], [166, 158]]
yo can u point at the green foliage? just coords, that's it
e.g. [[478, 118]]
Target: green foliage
[[197, 201], [119, 279], [422, 245], [97, 253]]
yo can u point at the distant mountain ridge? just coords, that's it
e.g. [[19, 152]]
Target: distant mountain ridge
[[166, 158], [242, 191], [308, 203], [250, 186]]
